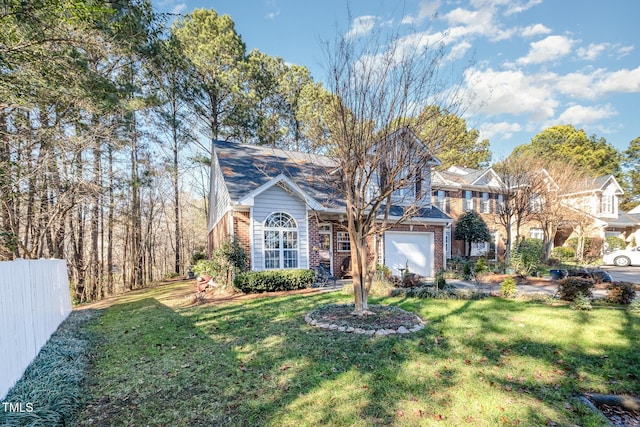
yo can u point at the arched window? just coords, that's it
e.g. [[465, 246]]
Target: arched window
[[280, 241]]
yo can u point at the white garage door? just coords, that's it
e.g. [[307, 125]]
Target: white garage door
[[414, 249]]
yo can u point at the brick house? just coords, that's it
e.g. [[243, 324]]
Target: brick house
[[457, 190], [283, 209], [598, 198]]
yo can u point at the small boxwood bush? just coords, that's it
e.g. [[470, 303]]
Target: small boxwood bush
[[570, 287], [508, 287], [621, 293], [274, 280]]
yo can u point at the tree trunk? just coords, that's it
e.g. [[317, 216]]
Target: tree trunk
[[359, 268], [95, 280], [176, 189], [110, 214]]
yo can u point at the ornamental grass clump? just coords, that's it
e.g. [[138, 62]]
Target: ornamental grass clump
[[634, 307]]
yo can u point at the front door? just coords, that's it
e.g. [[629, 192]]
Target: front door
[[326, 246]]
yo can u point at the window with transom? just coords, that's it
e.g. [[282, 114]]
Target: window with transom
[[280, 241]]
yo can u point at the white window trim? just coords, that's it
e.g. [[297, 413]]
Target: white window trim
[[536, 233], [340, 241], [468, 201], [281, 249], [486, 203]]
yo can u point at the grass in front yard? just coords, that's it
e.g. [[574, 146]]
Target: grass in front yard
[[256, 362]]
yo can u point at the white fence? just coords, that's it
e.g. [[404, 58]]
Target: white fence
[[34, 300]]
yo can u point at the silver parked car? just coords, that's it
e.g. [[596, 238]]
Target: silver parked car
[[623, 257]]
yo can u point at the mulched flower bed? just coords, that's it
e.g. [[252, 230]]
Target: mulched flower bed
[[384, 317]]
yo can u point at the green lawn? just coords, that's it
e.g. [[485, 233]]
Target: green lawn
[[482, 363]]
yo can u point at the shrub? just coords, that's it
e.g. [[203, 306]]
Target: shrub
[[481, 266], [580, 303], [508, 287], [383, 272], [228, 260], [466, 271], [441, 283], [614, 243], [634, 307], [621, 293], [197, 256], [570, 287], [423, 292], [274, 280], [203, 266], [563, 253], [527, 256]]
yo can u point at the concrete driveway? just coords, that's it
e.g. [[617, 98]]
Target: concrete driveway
[[623, 274]]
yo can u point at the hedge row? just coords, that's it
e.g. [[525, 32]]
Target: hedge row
[[274, 280]]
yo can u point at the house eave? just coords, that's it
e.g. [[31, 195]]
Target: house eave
[[418, 220], [249, 199]]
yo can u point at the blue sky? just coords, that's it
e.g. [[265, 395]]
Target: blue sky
[[535, 63]]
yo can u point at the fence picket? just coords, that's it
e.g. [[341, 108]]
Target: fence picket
[[34, 300]]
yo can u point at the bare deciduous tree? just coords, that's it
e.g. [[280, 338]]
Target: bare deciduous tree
[[379, 88]]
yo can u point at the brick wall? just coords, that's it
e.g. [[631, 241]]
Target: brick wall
[[242, 233], [314, 242], [456, 210]]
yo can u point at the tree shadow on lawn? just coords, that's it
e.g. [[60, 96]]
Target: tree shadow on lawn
[[258, 363], [554, 365]]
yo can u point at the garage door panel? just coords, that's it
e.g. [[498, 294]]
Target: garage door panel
[[414, 249]]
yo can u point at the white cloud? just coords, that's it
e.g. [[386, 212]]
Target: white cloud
[[621, 81], [517, 7], [547, 49], [598, 83], [362, 25], [502, 130], [535, 30], [591, 52], [427, 10], [624, 51], [458, 51], [512, 92], [273, 15], [479, 22], [580, 115], [179, 8]]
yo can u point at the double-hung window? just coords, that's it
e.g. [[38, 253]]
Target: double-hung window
[[486, 203], [607, 204], [343, 242], [467, 203]]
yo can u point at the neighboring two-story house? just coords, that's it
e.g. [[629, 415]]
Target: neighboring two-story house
[[283, 208], [458, 190], [598, 198]]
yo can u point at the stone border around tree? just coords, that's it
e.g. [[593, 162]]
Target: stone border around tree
[[377, 332]]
